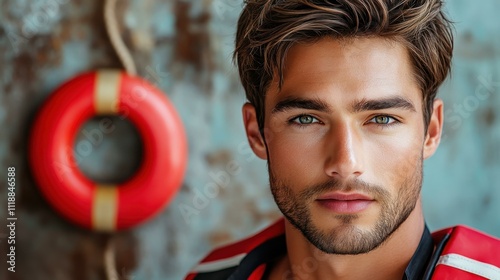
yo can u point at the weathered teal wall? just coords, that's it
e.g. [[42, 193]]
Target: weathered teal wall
[[184, 47], [462, 181]]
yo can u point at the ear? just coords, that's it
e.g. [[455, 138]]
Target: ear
[[252, 129], [434, 130]]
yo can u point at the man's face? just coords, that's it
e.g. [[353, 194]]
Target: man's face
[[345, 138]]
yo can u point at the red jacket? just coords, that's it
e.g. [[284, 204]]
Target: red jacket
[[459, 253]]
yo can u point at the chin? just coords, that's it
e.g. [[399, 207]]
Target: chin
[[345, 234]]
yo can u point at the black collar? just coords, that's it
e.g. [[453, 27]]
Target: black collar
[[420, 259]]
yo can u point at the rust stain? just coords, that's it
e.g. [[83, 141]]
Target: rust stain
[[219, 237], [489, 116], [86, 260], [192, 42], [48, 52], [126, 246], [22, 87], [99, 39], [220, 157], [487, 200], [7, 88], [468, 37], [88, 256], [24, 67], [185, 189]]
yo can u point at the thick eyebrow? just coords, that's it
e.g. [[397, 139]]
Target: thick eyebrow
[[301, 103], [396, 102]]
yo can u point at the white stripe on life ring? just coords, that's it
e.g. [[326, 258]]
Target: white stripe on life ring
[[485, 270], [107, 92], [105, 208], [219, 265]]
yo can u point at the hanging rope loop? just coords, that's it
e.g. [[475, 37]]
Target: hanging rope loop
[[116, 40]]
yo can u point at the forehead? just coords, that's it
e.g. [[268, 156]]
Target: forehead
[[366, 67]]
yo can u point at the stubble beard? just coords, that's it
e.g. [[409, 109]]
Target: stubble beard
[[348, 239]]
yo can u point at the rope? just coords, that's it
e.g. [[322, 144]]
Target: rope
[[116, 40], [109, 260], [128, 63]]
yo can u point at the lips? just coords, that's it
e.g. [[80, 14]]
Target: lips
[[344, 196], [343, 203]]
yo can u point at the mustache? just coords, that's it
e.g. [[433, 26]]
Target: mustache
[[355, 185]]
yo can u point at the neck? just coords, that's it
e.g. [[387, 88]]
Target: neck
[[388, 261]]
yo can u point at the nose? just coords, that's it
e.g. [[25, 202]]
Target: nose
[[344, 152]]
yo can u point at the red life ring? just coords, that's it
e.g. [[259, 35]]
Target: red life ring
[[77, 198]]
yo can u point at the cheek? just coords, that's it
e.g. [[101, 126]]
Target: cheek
[[393, 161], [297, 158]]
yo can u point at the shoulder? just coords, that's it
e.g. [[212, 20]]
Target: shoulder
[[223, 261], [465, 253]]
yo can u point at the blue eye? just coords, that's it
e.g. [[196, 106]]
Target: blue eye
[[304, 120], [383, 120]]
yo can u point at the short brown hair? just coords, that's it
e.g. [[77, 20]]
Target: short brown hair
[[268, 28]]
